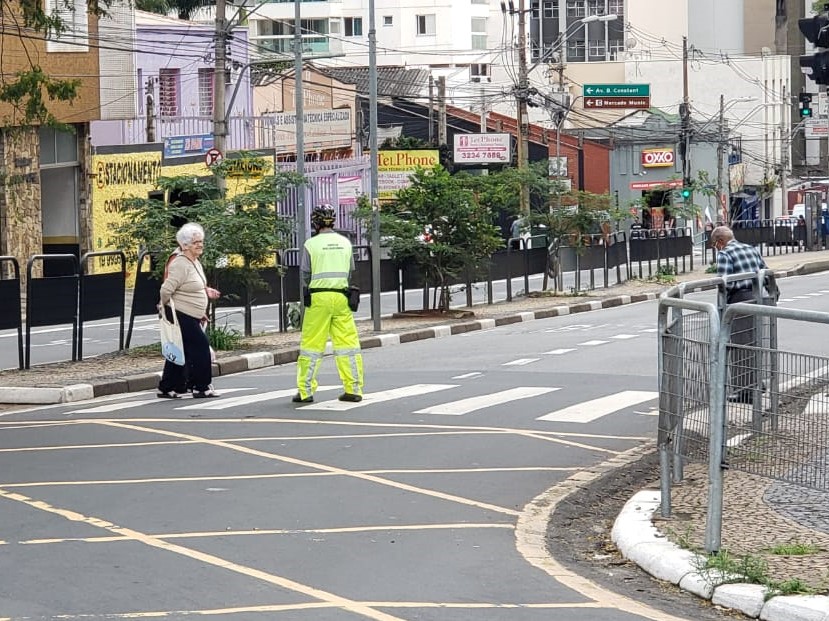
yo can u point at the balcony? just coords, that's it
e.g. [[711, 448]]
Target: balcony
[[285, 44]]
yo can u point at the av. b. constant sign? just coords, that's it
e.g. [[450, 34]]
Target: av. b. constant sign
[[654, 158], [482, 148]]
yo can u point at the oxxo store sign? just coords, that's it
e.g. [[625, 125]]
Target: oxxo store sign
[[656, 158]]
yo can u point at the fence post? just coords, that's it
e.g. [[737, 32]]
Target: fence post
[[720, 333]]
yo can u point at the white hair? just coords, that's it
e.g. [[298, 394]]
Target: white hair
[[187, 233]]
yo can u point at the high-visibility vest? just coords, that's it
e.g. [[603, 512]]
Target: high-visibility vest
[[330, 261]]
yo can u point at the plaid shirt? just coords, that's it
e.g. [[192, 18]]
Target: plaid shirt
[[737, 258]]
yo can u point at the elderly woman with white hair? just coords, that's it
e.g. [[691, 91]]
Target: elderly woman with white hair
[[186, 285]]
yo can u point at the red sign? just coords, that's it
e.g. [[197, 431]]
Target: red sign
[[651, 158], [212, 157], [653, 185], [611, 103]]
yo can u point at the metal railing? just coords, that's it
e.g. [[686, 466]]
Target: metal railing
[[733, 394]]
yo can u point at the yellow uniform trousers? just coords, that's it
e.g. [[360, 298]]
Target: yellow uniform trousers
[[329, 315]]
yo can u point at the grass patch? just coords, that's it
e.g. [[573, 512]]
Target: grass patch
[[745, 568], [224, 338], [795, 549]]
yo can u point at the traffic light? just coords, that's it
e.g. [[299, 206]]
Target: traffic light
[[815, 29], [805, 105], [686, 192], [816, 66]]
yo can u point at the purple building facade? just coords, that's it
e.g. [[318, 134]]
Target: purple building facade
[[174, 62]]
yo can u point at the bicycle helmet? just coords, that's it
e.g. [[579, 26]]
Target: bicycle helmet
[[323, 217]]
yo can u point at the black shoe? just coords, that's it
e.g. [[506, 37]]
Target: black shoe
[[347, 396], [168, 394], [297, 398], [743, 396]]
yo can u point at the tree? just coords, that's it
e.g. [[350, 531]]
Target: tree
[[438, 225], [244, 231]]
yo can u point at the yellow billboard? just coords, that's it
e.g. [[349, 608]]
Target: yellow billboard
[[120, 177], [395, 167]]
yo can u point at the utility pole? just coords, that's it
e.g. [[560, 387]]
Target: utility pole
[[685, 116], [431, 110], [441, 110], [219, 71], [720, 150], [150, 112], [784, 155], [299, 109], [521, 95], [373, 191]]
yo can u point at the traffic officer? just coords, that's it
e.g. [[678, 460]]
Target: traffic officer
[[326, 265]]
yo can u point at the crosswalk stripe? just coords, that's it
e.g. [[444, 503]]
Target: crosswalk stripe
[[464, 406], [224, 404], [124, 405], [624, 337], [378, 397], [594, 343], [588, 411], [558, 352], [467, 375], [520, 362]]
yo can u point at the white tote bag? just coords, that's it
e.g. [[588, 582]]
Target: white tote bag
[[172, 345]]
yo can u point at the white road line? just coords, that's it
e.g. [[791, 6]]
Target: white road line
[[814, 295], [623, 337], [650, 330], [224, 404], [124, 405], [593, 343], [468, 375], [464, 406], [558, 352], [520, 362], [378, 397], [589, 411]]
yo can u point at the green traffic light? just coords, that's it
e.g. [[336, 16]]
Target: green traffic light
[[805, 112], [686, 192]]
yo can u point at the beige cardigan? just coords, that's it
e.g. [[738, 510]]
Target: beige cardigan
[[185, 285]]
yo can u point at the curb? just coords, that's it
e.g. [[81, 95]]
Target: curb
[[639, 541], [250, 361]]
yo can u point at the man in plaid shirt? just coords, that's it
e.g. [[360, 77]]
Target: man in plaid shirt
[[735, 257]]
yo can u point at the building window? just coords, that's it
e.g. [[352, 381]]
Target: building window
[[596, 48], [353, 26], [206, 91], [479, 38], [426, 24], [575, 50], [550, 9], [169, 91], [478, 71], [75, 34], [616, 7], [575, 8], [58, 147], [334, 26], [616, 48], [595, 7], [534, 13], [388, 20]]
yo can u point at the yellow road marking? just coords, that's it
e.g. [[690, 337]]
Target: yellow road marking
[[531, 532], [287, 475], [317, 466], [279, 531], [210, 559]]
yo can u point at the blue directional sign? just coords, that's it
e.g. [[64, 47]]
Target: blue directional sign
[[616, 90], [181, 146]]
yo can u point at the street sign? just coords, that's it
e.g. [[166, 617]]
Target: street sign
[[653, 185], [615, 103], [182, 146], [213, 156], [616, 90]]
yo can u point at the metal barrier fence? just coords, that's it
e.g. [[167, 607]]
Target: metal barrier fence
[[734, 396]]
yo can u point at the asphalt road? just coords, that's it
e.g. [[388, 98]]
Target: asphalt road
[[405, 506]]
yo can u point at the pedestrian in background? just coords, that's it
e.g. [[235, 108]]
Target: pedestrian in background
[[326, 266], [186, 285], [734, 257]]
